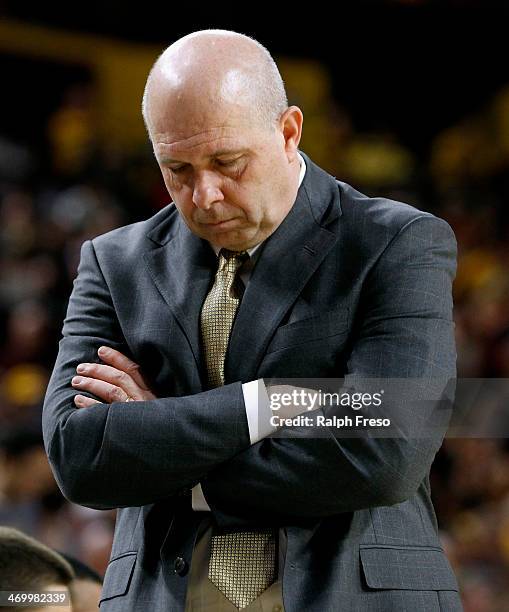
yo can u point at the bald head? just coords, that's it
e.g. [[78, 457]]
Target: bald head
[[215, 69]]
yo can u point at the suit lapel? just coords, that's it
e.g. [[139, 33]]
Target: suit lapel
[[289, 258], [182, 270]]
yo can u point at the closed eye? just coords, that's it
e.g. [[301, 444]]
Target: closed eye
[[225, 163], [177, 169]]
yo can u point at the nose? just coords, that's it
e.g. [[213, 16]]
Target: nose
[[206, 189]]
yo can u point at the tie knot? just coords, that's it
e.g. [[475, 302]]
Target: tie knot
[[232, 260]]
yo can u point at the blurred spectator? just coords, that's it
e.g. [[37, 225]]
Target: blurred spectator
[[85, 588], [25, 479], [28, 565], [72, 131]]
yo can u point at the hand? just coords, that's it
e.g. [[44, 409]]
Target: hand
[[118, 379]]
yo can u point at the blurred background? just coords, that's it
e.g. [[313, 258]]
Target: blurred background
[[407, 99]]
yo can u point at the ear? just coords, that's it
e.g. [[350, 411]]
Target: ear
[[291, 129]]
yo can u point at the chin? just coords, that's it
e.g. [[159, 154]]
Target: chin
[[232, 246], [232, 242]]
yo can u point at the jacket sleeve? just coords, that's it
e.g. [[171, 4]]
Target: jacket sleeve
[[129, 454], [405, 330]]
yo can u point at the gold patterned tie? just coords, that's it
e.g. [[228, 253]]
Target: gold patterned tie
[[218, 312], [242, 564]]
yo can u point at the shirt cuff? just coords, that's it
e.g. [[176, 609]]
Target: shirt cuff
[[258, 412], [198, 501]]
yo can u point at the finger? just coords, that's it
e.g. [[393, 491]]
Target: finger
[[111, 375], [103, 390], [81, 401], [120, 361]]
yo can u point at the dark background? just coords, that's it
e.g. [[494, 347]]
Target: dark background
[[413, 67]]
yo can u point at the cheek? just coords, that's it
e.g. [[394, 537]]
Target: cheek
[[250, 198], [248, 203], [257, 205], [182, 198], [184, 206], [171, 184]]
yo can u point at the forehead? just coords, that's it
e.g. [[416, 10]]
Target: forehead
[[184, 123], [217, 141]]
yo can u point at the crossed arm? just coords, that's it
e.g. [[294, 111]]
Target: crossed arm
[[113, 453]]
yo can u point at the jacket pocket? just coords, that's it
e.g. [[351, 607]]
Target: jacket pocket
[[118, 576], [407, 567], [322, 326]]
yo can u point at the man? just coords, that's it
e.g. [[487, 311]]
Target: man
[[263, 267], [32, 568]]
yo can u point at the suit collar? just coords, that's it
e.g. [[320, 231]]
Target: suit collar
[[182, 269]]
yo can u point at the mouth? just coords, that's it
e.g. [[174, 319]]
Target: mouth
[[226, 224]]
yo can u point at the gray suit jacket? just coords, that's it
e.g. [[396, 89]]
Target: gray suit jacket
[[346, 285]]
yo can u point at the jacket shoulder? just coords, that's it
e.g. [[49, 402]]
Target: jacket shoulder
[[379, 217], [129, 239]]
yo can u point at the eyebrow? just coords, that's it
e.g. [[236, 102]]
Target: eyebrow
[[220, 153]]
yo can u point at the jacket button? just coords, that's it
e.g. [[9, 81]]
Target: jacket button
[[180, 566]]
